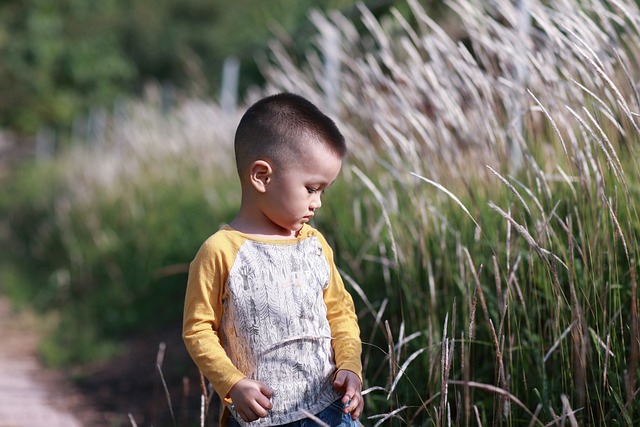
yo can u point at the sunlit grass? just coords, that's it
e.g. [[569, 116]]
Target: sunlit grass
[[496, 185]]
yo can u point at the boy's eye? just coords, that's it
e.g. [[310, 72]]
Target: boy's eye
[[311, 190]]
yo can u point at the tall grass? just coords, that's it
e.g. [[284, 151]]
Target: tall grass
[[497, 182], [485, 221]]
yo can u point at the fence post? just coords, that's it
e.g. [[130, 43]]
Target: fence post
[[229, 87], [522, 75], [45, 143], [331, 51]]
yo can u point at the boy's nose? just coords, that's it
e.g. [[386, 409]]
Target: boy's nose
[[315, 203]]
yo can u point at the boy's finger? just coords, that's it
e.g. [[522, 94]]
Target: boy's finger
[[353, 404], [339, 380], [245, 415], [266, 391], [349, 392], [264, 403], [259, 411], [355, 407], [358, 410]]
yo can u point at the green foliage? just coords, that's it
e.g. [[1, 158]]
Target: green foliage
[[108, 268], [26, 204], [60, 59]]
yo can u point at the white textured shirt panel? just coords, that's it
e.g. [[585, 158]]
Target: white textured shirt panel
[[275, 327]]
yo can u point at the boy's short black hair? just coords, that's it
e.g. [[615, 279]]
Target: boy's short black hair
[[278, 127]]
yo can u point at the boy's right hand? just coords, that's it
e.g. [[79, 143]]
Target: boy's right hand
[[252, 399]]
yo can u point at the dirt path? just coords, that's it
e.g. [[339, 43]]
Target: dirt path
[[29, 394]]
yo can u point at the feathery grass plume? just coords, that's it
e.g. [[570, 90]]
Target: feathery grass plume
[[393, 368], [445, 370], [543, 253]]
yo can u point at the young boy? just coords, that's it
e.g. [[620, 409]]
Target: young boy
[[267, 318]]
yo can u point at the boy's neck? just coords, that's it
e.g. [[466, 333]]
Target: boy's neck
[[254, 228]]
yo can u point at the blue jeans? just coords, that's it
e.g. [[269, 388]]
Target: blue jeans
[[332, 415]]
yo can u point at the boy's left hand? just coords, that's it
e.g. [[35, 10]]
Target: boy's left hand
[[349, 383]]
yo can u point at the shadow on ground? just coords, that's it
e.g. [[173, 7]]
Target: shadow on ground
[[131, 385]]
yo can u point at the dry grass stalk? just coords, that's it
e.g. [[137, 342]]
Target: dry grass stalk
[[448, 193], [314, 418], [600, 144], [618, 229], [557, 342], [185, 400], [465, 367], [403, 369], [501, 392], [567, 412], [578, 334], [478, 286], [385, 214], [513, 281], [501, 297], [166, 392], [607, 353], [477, 414], [634, 351], [535, 415], [384, 417]]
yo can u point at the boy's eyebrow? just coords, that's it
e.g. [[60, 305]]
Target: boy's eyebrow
[[322, 183]]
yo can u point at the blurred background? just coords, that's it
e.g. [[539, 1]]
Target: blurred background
[[485, 220]]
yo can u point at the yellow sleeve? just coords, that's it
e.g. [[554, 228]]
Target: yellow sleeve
[[208, 274], [343, 320]]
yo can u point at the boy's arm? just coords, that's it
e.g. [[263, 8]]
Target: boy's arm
[[343, 321], [346, 342], [202, 313]]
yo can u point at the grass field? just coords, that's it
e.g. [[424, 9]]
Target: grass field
[[485, 221]]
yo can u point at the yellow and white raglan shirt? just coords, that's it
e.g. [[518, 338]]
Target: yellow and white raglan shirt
[[274, 311]]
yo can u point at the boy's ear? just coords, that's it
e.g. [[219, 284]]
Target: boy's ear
[[260, 175]]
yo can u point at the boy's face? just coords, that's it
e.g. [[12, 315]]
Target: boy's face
[[293, 192]]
